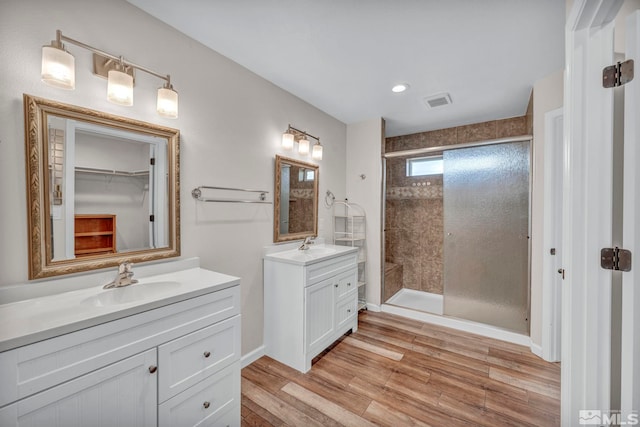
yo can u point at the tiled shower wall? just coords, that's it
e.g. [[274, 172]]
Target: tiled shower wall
[[301, 202], [414, 226]]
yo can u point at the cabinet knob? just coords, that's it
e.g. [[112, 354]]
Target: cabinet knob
[[348, 310], [206, 405], [153, 369], [207, 353], [349, 284], [336, 285]]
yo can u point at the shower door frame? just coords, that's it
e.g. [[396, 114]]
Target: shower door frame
[[427, 150]]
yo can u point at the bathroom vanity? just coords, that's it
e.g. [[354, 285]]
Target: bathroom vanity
[[310, 300], [163, 352]]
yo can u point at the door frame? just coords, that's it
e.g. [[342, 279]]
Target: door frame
[[552, 238], [630, 341], [587, 209]]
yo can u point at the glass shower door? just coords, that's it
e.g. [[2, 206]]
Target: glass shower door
[[486, 229]]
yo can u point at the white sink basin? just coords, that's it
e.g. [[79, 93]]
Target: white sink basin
[[315, 253], [132, 293], [318, 251]]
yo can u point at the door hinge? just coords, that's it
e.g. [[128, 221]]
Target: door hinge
[[617, 74], [152, 161], [615, 259], [152, 218]]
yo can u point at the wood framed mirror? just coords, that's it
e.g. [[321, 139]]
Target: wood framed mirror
[[101, 189], [296, 200]]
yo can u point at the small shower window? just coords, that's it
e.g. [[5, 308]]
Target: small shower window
[[432, 165]]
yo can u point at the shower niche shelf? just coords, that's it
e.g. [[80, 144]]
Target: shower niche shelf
[[349, 229]]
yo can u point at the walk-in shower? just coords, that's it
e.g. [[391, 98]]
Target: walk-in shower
[[456, 232]]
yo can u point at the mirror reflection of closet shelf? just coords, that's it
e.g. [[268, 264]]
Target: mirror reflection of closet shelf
[[80, 169], [95, 234]]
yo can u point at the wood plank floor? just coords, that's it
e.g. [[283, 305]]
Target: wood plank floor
[[400, 372]]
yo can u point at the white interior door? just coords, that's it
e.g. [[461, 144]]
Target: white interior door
[[630, 360], [587, 210]]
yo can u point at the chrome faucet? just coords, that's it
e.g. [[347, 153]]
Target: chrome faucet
[[123, 278], [305, 245]]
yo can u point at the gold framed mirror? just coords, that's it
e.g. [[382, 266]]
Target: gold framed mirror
[[101, 189], [296, 200]]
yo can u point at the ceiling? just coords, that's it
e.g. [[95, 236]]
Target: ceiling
[[343, 56]]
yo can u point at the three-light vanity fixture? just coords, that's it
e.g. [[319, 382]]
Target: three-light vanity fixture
[[301, 137], [58, 69]]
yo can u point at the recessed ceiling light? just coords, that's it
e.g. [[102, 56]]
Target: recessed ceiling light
[[400, 87]]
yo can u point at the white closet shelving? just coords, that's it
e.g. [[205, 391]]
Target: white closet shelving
[[349, 229]]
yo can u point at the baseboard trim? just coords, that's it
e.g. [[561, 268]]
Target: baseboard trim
[[251, 357], [537, 350], [462, 325], [373, 307]]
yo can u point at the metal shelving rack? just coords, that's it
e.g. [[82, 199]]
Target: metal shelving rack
[[349, 229]]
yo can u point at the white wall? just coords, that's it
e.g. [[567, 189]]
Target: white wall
[[364, 148], [547, 96], [231, 122]]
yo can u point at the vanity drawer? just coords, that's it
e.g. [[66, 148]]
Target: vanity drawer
[[187, 360], [346, 310], [325, 269], [36, 367], [215, 401], [346, 282]]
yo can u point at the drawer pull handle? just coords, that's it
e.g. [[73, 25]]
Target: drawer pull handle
[[207, 353], [153, 369], [206, 405]]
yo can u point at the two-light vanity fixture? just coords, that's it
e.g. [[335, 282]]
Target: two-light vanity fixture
[[301, 137], [58, 69]]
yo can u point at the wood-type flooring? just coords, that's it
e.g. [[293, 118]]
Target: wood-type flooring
[[399, 372]]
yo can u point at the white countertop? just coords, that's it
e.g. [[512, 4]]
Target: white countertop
[[31, 320], [315, 253]]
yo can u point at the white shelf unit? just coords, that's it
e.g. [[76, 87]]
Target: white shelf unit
[[349, 229]]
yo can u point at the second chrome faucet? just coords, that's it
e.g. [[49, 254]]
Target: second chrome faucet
[[305, 244]]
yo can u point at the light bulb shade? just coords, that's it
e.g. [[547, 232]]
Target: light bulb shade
[[287, 140], [167, 105], [120, 88], [58, 68], [317, 152], [303, 146]]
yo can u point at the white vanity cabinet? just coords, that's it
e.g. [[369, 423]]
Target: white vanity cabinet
[[174, 365], [308, 304]]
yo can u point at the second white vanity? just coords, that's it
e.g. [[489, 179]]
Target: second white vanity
[[310, 300], [163, 352]]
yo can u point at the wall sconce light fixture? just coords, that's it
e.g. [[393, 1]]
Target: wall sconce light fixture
[[296, 135], [58, 69]]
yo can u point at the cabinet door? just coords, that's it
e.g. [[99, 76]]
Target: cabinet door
[[320, 313], [121, 394]]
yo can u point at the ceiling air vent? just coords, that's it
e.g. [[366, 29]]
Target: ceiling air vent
[[437, 100]]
